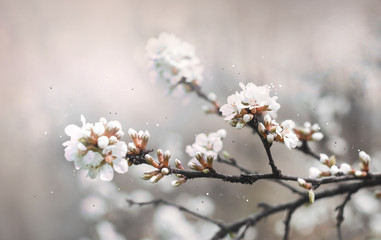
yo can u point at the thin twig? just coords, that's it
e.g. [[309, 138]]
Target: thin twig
[[180, 208], [305, 148], [232, 162], [340, 213], [287, 223]]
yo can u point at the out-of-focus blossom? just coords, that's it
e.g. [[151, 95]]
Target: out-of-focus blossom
[[107, 231], [253, 99], [97, 148], [314, 172], [174, 60]]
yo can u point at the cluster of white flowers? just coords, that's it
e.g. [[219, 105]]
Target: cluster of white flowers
[[174, 59], [309, 132], [97, 148], [251, 100], [207, 144], [344, 169], [283, 132]]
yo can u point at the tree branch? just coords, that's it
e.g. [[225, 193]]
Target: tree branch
[[254, 218]]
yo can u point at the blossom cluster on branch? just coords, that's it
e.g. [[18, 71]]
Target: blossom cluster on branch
[[98, 148]]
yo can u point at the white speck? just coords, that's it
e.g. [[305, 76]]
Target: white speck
[[157, 124], [327, 123], [247, 200], [51, 191], [233, 65], [118, 189], [207, 194], [45, 133], [280, 85], [60, 136], [297, 114], [147, 123]]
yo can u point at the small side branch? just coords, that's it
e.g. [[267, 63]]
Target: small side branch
[[157, 202], [287, 223], [340, 214], [305, 148]]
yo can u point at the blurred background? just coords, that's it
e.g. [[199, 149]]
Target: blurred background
[[61, 59]]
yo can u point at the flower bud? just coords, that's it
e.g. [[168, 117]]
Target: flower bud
[[324, 158], [222, 133], [345, 168], [103, 142], [364, 157], [270, 138], [209, 160], [334, 170], [132, 133], [160, 157], [317, 136], [156, 178], [206, 171], [212, 97], [311, 196], [132, 148], [314, 172], [178, 164], [261, 128], [119, 134], [307, 125], [301, 182], [113, 140], [165, 171], [247, 117], [225, 154], [113, 126], [315, 127], [103, 120], [99, 129], [267, 120]]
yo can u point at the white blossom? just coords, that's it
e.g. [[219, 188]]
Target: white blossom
[[173, 59], [345, 168], [364, 157], [314, 172], [97, 148], [334, 170], [288, 135], [206, 145], [251, 100]]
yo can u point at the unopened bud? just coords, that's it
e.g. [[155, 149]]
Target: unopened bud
[[206, 171], [334, 170], [209, 160], [160, 157], [301, 182], [165, 171], [267, 120], [314, 172], [311, 196], [178, 164], [307, 125], [324, 158], [345, 168], [222, 133], [156, 178], [247, 117], [315, 127], [261, 128], [270, 138], [132, 133], [317, 136], [360, 174], [212, 97], [364, 157]]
